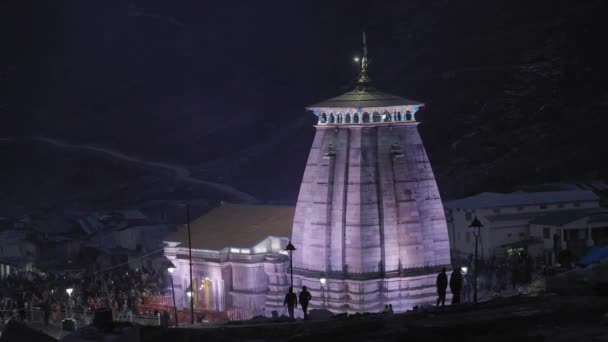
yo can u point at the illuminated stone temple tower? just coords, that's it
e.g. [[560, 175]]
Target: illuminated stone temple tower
[[369, 218]]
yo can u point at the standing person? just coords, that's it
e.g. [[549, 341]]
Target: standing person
[[21, 307], [291, 300], [456, 285], [46, 308], [442, 285], [305, 297]]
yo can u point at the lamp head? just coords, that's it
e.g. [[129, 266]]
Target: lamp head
[[170, 267], [290, 247], [476, 223]]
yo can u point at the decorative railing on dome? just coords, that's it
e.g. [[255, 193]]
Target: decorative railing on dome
[[363, 118]]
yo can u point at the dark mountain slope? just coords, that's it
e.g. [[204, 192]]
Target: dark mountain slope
[[514, 89]]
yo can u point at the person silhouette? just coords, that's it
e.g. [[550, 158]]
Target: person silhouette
[[305, 297], [291, 300], [442, 285], [456, 285]]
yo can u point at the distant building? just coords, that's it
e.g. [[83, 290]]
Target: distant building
[[572, 230], [238, 258], [17, 249], [507, 220], [127, 229]]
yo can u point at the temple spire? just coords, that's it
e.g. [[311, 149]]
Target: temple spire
[[363, 82]]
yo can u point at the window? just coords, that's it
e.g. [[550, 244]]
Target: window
[[468, 237], [522, 234], [520, 208], [365, 117], [509, 235], [561, 205], [543, 206], [577, 204], [496, 211], [469, 216], [546, 233]]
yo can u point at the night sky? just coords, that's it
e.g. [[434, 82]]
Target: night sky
[[221, 86]]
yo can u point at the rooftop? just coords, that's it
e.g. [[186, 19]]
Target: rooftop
[[560, 218], [493, 199], [365, 98], [236, 225]]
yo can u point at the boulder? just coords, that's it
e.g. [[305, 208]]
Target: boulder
[[590, 280], [319, 314], [20, 332], [340, 316]]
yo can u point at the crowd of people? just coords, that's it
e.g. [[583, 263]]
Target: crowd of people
[[119, 289]]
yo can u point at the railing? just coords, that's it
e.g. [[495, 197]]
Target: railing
[[85, 317], [159, 300], [142, 314]]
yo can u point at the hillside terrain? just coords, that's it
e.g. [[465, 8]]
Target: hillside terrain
[[514, 92]]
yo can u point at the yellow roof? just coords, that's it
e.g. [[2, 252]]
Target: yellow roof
[[236, 225]]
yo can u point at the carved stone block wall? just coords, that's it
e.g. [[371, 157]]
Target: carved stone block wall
[[369, 208]]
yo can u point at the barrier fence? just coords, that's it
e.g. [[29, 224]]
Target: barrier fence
[[148, 313], [85, 317]]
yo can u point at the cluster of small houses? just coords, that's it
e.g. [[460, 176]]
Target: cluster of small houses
[[99, 239]]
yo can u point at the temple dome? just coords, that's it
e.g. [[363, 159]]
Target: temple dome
[[365, 98]]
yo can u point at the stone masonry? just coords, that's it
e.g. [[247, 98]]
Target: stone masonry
[[369, 218]]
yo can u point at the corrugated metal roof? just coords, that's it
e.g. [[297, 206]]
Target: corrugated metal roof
[[365, 98], [493, 199], [560, 218], [236, 225]]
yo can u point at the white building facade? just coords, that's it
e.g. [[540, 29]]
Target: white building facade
[[507, 220], [238, 259], [575, 231]]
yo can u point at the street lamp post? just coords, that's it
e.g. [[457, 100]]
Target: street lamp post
[[290, 248], [69, 291], [323, 281], [190, 295], [476, 224], [171, 269], [190, 259]]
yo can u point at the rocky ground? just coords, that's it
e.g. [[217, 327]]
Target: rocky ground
[[520, 318], [545, 318]]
